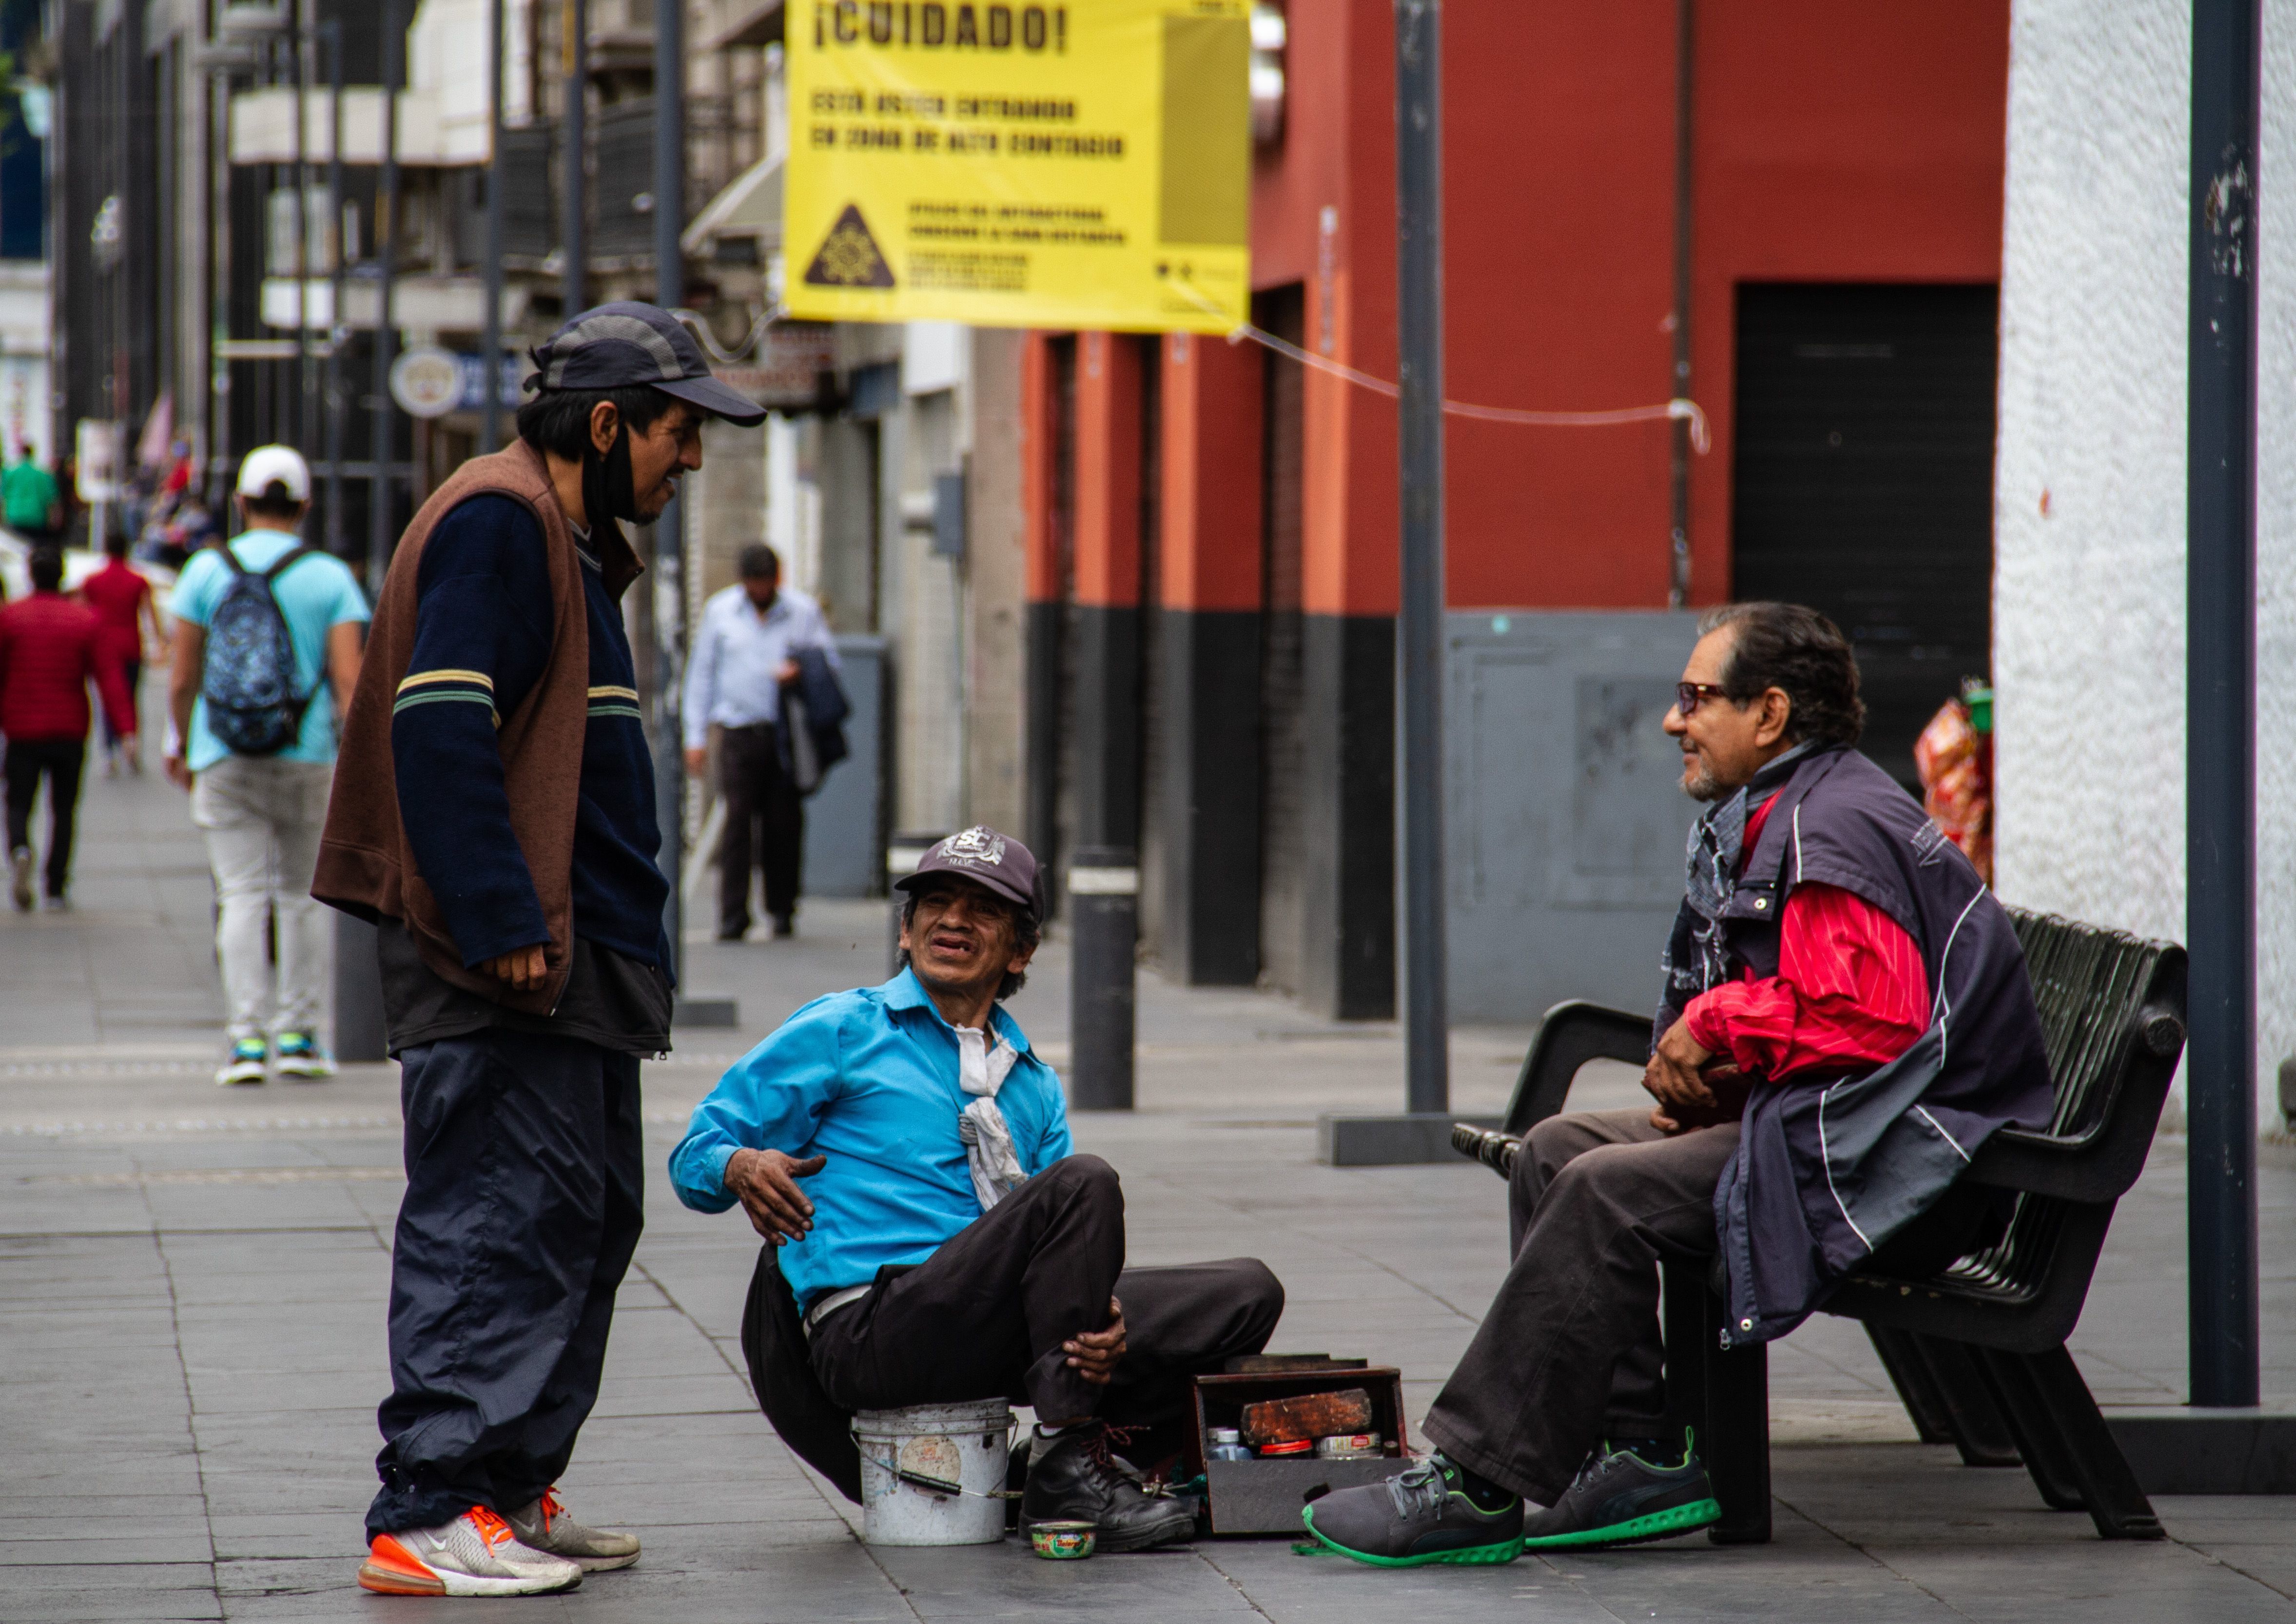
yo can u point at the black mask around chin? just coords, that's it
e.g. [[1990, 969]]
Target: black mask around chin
[[608, 490]]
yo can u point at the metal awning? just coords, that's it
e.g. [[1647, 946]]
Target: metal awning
[[750, 206]]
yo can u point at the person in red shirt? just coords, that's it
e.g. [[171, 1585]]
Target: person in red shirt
[[51, 648], [122, 597]]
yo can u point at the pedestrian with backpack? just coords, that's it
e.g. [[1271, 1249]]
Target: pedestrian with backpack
[[262, 625]]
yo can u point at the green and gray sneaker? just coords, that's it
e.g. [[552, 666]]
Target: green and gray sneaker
[[1429, 1513], [246, 1064], [1621, 1498]]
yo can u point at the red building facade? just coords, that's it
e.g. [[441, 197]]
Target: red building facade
[[1212, 529]]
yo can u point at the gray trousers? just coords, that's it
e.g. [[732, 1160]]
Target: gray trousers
[[1570, 1350], [263, 816]]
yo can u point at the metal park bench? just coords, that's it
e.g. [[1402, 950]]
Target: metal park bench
[[1976, 1351]]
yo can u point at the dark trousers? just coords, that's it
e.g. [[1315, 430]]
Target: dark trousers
[[986, 1314], [1571, 1348], [764, 826], [524, 1184], [59, 760]]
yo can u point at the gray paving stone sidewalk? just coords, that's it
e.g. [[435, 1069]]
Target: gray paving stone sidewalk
[[191, 1285]]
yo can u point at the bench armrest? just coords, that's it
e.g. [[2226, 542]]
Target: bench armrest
[[1569, 1036], [2102, 1161]]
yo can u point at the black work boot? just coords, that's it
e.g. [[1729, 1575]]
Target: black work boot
[[1623, 1497], [1077, 1479]]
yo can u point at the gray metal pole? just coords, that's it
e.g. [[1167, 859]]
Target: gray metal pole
[[490, 347], [669, 530], [1103, 933], [2220, 696], [1419, 215], [574, 208], [379, 538]]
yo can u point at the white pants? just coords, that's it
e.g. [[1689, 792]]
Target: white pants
[[263, 817]]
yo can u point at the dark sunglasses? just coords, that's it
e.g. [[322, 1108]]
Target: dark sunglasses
[[1689, 695]]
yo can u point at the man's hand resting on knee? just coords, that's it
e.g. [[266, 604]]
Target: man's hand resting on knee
[[765, 1182], [1093, 1354], [1691, 1092]]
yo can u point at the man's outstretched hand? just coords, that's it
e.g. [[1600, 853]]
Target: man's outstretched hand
[[765, 1182], [1093, 1355], [1673, 1079]]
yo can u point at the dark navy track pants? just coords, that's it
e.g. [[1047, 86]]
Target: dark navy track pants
[[524, 1179]]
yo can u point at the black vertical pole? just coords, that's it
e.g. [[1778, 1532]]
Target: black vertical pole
[[573, 279], [2220, 695], [379, 539], [1103, 935], [490, 342], [338, 323], [669, 530], [1419, 216]]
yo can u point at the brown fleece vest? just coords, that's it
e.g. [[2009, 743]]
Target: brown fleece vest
[[365, 867]]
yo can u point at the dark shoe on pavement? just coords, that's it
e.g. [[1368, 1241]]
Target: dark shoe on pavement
[[1422, 1515], [1077, 1479], [732, 933], [1621, 1498], [19, 878], [545, 1526], [784, 925]]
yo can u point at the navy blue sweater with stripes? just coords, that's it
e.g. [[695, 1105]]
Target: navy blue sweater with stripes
[[482, 629]]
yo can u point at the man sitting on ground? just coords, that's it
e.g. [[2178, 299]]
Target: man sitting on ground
[[1823, 913], [948, 1246]]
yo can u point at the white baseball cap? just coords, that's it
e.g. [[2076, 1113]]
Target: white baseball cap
[[269, 465]]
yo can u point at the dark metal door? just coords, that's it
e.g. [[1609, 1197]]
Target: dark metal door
[[1864, 482]]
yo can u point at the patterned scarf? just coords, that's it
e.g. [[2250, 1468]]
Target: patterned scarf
[[1697, 958], [989, 1152]]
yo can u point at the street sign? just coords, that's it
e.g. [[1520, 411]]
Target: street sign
[[1084, 165], [426, 381]]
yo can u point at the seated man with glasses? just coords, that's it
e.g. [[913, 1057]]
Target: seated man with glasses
[[946, 1245], [1810, 1112]]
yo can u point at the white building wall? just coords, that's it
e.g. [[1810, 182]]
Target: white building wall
[[2089, 495]]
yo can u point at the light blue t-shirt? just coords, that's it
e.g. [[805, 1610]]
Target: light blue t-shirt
[[316, 593]]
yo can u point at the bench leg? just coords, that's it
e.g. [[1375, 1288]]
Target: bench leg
[[1687, 1348], [2047, 1392], [2047, 1459], [1738, 1433], [1974, 1422], [1918, 1388]]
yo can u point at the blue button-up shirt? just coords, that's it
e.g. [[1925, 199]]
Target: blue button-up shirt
[[868, 1078], [733, 677]]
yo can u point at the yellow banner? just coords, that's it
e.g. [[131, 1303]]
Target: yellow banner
[[1086, 165]]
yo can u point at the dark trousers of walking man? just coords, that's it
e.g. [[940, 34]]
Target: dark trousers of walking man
[[764, 827], [58, 761]]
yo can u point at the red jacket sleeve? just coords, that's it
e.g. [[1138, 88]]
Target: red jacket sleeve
[[1850, 992]]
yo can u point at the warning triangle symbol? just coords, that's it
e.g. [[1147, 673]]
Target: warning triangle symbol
[[849, 256]]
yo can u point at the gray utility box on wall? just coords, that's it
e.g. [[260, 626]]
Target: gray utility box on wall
[[844, 819], [1565, 815]]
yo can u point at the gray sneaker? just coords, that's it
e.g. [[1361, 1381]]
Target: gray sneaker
[[546, 1527], [475, 1555]]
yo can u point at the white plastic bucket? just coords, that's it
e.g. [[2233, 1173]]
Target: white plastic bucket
[[964, 1444]]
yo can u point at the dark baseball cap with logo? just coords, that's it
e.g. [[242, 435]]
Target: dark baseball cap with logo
[[995, 862], [615, 346]]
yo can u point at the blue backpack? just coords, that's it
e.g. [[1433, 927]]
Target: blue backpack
[[248, 680]]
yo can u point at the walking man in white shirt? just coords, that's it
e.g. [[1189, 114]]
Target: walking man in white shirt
[[745, 649]]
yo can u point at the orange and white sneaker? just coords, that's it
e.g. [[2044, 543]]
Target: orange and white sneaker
[[545, 1526], [475, 1555]]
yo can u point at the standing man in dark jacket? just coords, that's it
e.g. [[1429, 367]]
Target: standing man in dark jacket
[[495, 816], [51, 648], [1807, 1115]]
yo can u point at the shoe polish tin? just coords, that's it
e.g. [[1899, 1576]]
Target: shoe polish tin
[[1348, 1447], [1063, 1541]]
